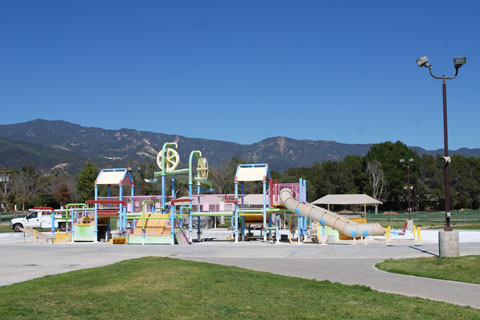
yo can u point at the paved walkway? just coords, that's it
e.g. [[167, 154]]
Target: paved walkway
[[345, 264]]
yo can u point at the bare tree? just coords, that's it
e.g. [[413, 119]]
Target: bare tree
[[376, 179], [223, 178], [23, 186], [63, 194], [4, 187]]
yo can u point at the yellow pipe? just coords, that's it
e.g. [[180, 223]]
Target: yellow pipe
[[34, 235], [290, 237], [419, 237], [414, 231]]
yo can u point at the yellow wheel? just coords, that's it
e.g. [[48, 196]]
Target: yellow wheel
[[172, 159], [202, 168]]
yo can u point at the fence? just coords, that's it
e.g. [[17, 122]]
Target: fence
[[467, 217], [5, 217]]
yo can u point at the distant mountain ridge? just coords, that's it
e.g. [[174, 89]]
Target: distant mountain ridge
[[45, 143]]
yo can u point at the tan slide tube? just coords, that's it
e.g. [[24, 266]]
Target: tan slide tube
[[330, 219]]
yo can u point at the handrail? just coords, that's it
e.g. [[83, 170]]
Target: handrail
[[106, 201], [43, 208], [181, 200], [144, 202], [68, 206]]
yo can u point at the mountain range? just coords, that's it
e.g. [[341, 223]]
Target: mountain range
[[46, 144]]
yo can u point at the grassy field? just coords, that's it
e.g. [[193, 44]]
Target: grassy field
[[467, 219], [464, 269], [162, 288], [5, 228]]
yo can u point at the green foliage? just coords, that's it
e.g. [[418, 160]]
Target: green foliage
[[395, 172], [426, 178], [464, 269], [465, 182], [28, 187], [86, 182]]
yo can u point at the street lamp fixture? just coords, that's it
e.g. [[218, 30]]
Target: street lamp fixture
[[458, 63], [423, 62]]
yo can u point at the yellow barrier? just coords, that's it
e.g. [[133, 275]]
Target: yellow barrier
[[387, 235], [414, 231], [419, 237], [35, 236]]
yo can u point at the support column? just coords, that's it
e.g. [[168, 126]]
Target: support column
[[299, 217], [264, 211], [120, 196], [242, 191], [190, 218], [95, 217], [236, 213], [163, 193], [199, 231], [172, 216]]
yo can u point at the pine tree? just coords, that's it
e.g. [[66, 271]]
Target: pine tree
[[86, 182]]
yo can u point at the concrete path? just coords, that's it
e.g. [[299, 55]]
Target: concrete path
[[345, 264]]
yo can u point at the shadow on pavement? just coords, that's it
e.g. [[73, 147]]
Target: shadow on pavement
[[424, 251]]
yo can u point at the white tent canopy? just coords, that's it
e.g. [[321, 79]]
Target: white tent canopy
[[346, 199]]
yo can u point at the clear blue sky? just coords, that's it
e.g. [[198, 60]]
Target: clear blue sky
[[243, 70]]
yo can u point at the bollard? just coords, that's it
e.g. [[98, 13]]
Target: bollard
[[387, 236], [35, 236], [419, 237], [414, 232]]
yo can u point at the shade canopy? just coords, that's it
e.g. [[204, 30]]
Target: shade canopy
[[252, 172], [114, 177], [346, 199]]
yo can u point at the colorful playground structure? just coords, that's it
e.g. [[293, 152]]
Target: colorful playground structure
[[168, 219]]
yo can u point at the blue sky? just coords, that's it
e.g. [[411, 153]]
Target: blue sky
[[243, 71]]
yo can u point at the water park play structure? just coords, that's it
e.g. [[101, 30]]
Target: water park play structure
[[328, 218], [169, 219]]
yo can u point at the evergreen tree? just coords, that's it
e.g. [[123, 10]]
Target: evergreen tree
[[86, 182]]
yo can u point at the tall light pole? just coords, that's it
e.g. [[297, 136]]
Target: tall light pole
[[408, 186], [458, 63]]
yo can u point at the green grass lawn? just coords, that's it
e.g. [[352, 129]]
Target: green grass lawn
[[5, 228], [466, 227], [464, 269], [163, 288], [468, 219]]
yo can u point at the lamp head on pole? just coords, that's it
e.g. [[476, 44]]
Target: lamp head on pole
[[459, 61], [423, 62]]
